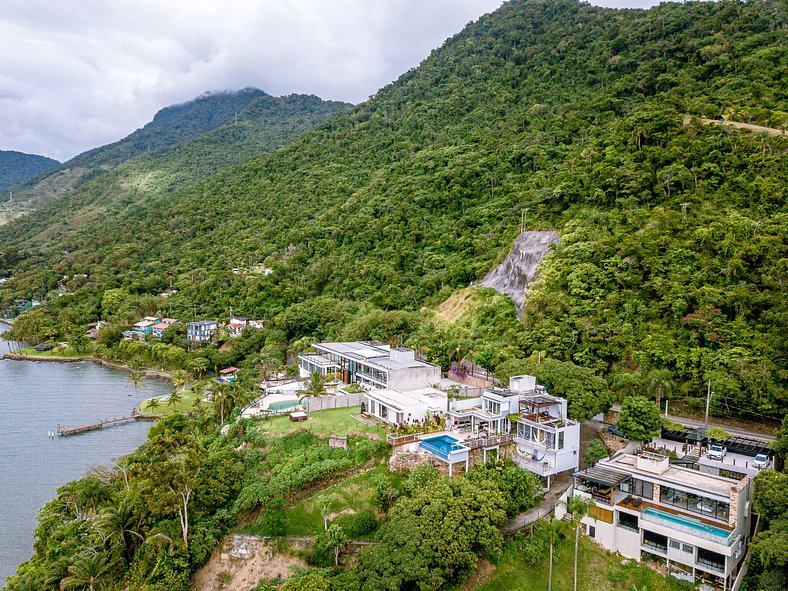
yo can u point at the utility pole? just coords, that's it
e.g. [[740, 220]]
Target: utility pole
[[708, 400]]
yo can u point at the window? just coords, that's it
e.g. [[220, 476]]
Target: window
[[687, 548], [694, 503], [638, 487], [627, 521], [675, 544], [591, 531], [560, 440]]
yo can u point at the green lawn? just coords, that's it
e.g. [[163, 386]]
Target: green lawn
[[164, 407], [57, 353], [324, 422], [306, 519], [597, 570]]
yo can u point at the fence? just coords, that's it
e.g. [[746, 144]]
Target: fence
[[328, 402]]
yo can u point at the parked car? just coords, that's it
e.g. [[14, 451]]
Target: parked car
[[760, 461], [613, 430], [717, 452]]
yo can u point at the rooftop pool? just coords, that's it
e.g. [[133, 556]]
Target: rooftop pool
[[442, 446], [687, 522]]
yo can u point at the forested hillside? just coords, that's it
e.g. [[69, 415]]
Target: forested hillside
[[17, 168], [183, 143], [672, 252]]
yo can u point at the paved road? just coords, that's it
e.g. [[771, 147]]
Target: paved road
[[695, 423]]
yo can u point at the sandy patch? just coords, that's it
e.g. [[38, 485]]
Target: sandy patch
[[239, 562]]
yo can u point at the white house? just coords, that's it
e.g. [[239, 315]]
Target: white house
[[410, 406], [201, 331], [696, 523], [372, 364]]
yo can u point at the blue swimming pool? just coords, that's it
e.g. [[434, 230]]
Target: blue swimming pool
[[687, 522], [441, 445]]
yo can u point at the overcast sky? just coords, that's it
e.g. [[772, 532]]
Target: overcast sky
[[78, 74]]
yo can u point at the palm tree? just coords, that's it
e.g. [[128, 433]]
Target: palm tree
[[119, 520], [628, 384], [578, 508], [553, 529], [315, 385], [87, 570], [198, 366], [152, 403], [179, 378], [659, 382], [136, 379], [174, 398]]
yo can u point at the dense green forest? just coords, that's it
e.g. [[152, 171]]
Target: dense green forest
[[183, 144], [672, 252], [17, 168]]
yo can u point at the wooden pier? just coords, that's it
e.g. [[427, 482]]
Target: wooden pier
[[63, 431]]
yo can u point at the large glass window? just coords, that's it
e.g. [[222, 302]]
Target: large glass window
[[627, 521], [694, 503], [638, 487], [560, 440]]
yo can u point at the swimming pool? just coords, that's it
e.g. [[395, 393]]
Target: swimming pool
[[442, 445], [695, 526], [283, 404]]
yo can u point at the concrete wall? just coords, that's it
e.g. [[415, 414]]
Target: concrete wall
[[414, 378], [466, 404], [327, 402]]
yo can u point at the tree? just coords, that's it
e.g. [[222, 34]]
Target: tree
[[87, 571], [771, 494], [79, 342], [198, 366], [578, 508], [596, 451], [659, 382], [553, 529], [137, 380], [315, 385], [628, 384], [639, 418], [174, 398], [179, 379]]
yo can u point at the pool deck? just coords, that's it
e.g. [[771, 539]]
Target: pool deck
[[670, 510]]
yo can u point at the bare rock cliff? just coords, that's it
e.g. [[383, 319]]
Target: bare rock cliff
[[519, 269]]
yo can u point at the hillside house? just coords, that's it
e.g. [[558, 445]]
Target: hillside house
[[145, 326], [157, 330], [696, 524], [411, 406], [201, 331], [372, 364]]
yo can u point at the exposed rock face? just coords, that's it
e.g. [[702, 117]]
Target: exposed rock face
[[519, 268]]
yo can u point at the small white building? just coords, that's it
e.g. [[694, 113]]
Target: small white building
[[370, 363], [408, 407], [698, 524]]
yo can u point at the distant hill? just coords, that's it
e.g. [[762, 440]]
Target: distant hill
[[671, 252], [17, 168], [249, 120]]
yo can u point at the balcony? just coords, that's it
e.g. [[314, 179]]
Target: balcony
[[655, 547], [711, 565], [526, 461]]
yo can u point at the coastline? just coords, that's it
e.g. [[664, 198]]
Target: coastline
[[149, 373]]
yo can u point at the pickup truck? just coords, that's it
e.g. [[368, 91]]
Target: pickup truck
[[717, 452]]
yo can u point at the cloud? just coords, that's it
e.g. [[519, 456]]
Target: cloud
[[75, 75]]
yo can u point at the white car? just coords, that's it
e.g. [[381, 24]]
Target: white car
[[760, 461], [717, 452]]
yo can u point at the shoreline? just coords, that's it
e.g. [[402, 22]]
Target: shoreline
[[149, 373]]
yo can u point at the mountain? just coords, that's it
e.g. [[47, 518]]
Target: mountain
[[18, 167], [179, 124], [598, 121]]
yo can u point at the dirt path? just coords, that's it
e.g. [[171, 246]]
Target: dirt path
[[739, 125]]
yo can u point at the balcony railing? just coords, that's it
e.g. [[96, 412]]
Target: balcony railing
[[489, 441], [527, 462], [653, 546], [716, 566]]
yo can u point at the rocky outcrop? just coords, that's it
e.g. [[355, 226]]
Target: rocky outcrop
[[519, 269]]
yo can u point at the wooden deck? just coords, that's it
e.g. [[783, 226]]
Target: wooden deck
[[65, 431]]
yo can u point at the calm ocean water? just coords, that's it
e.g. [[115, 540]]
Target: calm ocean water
[[35, 398]]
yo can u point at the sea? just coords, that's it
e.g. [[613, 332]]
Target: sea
[[36, 397]]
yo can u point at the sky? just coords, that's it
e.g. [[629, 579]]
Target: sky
[[80, 74]]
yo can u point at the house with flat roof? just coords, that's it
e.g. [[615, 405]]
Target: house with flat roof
[[408, 407], [201, 331], [157, 330], [698, 524], [547, 440], [145, 326], [370, 363]]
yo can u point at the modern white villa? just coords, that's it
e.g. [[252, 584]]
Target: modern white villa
[[697, 524], [410, 406], [370, 363], [547, 441]]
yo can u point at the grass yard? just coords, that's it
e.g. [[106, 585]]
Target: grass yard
[[337, 421], [351, 495], [165, 407], [597, 570]]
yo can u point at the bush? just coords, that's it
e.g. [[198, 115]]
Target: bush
[[272, 519], [596, 451], [360, 524]]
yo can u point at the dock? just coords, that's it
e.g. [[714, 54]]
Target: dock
[[64, 431]]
